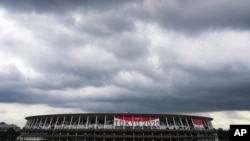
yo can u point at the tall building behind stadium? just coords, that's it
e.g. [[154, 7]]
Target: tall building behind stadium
[[118, 127]]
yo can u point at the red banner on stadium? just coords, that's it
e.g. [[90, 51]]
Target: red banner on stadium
[[130, 120], [197, 122]]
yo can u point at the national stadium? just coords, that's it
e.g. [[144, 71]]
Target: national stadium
[[118, 127]]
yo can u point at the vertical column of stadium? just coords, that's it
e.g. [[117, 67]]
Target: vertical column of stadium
[[187, 123], [36, 122], [70, 122], [32, 122], [210, 124], [56, 122], [181, 122], [78, 122], [174, 123], [167, 121], [87, 122], [40, 122], [44, 123], [27, 123], [51, 119], [105, 122], [62, 126], [95, 121]]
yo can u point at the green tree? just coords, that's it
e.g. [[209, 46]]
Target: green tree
[[9, 135], [223, 134]]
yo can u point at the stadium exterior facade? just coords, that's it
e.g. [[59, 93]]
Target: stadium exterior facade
[[118, 127]]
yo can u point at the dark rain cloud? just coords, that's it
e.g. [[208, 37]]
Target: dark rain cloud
[[80, 48], [60, 6], [196, 15]]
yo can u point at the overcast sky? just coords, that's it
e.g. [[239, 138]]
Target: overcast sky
[[159, 56]]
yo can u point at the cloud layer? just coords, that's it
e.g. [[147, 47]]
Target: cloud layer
[[138, 56]]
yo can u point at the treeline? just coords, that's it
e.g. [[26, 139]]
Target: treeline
[[223, 134], [9, 135]]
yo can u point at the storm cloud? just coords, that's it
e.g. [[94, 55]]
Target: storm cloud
[[116, 56]]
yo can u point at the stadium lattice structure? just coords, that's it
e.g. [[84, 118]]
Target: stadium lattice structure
[[118, 127]]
